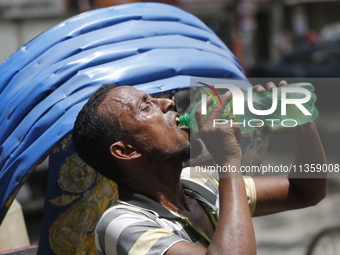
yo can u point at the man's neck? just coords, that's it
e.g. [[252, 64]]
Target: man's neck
[[161, 183]]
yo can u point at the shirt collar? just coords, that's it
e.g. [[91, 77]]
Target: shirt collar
[[131, 197]]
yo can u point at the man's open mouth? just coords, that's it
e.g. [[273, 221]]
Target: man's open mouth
[[177, 121]]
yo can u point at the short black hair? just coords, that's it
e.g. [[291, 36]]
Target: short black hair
[[94, 132]]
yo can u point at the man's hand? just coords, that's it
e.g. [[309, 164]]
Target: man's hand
[[234, 233], [278, 130], [222, 141]]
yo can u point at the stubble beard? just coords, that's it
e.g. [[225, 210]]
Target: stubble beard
[[157, 154]]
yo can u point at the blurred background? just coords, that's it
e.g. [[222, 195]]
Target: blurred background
[[304, 33], [271, 38]]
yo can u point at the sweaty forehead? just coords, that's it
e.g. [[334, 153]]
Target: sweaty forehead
[[124, 98]]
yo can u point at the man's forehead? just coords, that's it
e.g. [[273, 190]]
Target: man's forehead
[[126, 90], [122, 97], [125, 93]]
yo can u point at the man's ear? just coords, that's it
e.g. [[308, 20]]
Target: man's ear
[[124, 151]]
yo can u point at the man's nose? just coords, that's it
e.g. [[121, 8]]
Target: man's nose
[[165, 104]]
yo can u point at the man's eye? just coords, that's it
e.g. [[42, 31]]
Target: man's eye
[[145, 107]]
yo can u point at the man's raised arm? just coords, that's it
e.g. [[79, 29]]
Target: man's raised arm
[[234, 233], [298, 190]]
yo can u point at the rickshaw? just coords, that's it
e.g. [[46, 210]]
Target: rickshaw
[[154, 47]]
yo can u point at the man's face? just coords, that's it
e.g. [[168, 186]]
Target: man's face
[[151, 121]]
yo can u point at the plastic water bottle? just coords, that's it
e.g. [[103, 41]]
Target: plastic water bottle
[[291, 114]]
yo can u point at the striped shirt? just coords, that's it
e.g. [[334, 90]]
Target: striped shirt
[[137, 225]]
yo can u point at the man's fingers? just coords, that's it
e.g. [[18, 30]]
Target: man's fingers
[[201, 119], [259, 89], [216, 111], [282, 83], [270, 85]]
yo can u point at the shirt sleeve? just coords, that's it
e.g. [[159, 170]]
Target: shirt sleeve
[[124, 231], [251, 193], [209, 181]]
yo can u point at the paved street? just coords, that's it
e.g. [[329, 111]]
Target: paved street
[[291, 232]]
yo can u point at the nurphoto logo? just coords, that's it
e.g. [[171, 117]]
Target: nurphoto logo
[[238, 100], [238, 104]]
